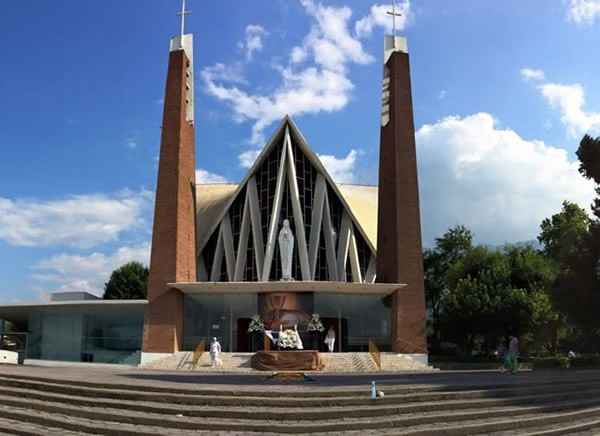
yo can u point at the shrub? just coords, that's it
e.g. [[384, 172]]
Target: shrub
[[585, 361], [552, 362]]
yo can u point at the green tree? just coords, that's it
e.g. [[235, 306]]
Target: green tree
[[589, 165], [494, 293], [562, 234], [449, 248], [129, 282], [577, 290]]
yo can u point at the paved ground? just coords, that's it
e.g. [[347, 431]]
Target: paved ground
[[250, 382]]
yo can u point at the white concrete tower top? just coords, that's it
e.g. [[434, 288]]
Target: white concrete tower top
[[185, 42], [393, 43]]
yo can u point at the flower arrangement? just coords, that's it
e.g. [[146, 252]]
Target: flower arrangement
[[315, 324], [288, 339], [256, 324]]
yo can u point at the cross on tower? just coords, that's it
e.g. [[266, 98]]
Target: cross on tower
[[182, 14], [394, 14]]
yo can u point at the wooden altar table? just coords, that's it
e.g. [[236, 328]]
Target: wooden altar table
[[308, 360]]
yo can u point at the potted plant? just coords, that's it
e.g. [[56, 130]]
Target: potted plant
[[256, 327], [315, 328]]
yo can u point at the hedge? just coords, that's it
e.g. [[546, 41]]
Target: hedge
[[585, 361], [553, 362]]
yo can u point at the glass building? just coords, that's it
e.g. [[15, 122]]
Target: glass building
[[81, 328]]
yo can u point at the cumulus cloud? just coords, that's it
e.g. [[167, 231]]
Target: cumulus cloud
[[570, 101], [85, 273], [342, 170], [532, 74], [203, 176], [314, 80], [583, 11], [80, 220], [253, 41], [248, 157], [379, 17], [492, 180]]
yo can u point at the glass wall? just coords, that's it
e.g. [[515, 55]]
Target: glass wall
[[225, 317], [87, 333], [359, 318]]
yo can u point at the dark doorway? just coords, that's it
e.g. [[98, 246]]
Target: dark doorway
[[243, 339]]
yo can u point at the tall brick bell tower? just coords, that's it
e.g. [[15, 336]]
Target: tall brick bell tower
[[399, 256], [173, 257]]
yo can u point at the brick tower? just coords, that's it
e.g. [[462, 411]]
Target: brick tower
[[399, 256], [173, 257]]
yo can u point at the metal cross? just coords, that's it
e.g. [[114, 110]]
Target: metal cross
[[394, 14], [182, 14]]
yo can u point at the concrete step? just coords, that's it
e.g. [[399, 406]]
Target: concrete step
[[583, 426], [310, 391], [394, 394], [333, 362], [15, 427], [378, 408], [418, 423], [526, 405]]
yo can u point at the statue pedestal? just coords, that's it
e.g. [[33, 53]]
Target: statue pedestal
[[287, 361]]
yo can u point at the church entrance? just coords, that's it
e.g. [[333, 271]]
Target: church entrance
[[355, 319]]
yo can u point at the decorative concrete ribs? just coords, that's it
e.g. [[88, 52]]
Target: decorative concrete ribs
[[385, 99], [340, 247]]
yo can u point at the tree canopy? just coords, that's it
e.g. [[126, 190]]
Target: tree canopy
[[129, 282], [496, 293], [562, 234]]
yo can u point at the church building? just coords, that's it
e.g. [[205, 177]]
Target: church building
[[284, 244]]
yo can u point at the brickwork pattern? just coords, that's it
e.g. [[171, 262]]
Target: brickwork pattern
[[173, 257], [399, 254]]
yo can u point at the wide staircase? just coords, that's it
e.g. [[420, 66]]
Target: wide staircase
[[333, 362], [525, 404], [231, 362]]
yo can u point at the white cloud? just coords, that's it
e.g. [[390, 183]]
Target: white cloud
[[248, 157], [78, 273], [583, 11], [79, 220], [223, 73], [315, 79], [442, 95], [492, 180], [253, 40], [569, 100], [378, 17], [205, 177], [342, 170], [532, 74]]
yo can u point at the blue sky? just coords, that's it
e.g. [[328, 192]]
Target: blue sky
[[502, 91]]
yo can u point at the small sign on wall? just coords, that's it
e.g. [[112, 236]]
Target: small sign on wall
[[216, 326]]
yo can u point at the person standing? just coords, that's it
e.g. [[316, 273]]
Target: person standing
[[330, 339], [513, 354], [215, 353], [501, 355]]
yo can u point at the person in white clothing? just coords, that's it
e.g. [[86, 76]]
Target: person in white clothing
[[330, 339], [215, 352]]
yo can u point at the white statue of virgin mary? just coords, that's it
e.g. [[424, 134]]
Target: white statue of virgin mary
[[286, 250]]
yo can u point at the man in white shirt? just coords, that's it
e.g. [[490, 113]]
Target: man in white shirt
[[215, 352]]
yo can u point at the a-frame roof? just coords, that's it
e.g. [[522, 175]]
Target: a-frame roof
[[224, 195]]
